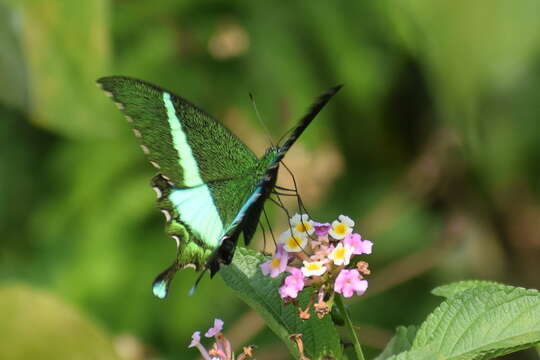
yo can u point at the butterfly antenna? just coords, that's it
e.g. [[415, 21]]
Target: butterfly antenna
[[301, 206], [256, 109], [269, 227], [194, 287], [264, 236]]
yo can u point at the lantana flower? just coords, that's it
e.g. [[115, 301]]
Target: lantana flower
[[221, 349], [293, 242], [359, 246], [323, 256], [313, 268], [301, 224], [341, 254], [341, 227], [277, 264], [213, 331], [292, 284], [349, 282], [321, 229]]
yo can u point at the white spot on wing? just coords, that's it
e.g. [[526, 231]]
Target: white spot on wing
[[129, 118], [136, 132], [177, 239], [145, 149], [155, 164], [190, 265], [158, 192], [167, 215], [119, 105]]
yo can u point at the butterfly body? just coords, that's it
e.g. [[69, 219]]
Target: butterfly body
[[209, 185]]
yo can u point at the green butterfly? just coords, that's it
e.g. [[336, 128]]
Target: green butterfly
[[210, 186]]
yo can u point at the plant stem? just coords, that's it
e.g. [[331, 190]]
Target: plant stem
[[350, 327]]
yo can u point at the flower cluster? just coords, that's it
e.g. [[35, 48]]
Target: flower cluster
[[221, 350], [323, 256]]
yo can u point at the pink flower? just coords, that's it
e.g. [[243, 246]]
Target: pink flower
[[322, 252], [222, 348], [359, 246], [195, 339], [277, 264], [292, 284], [213, 331], [321, 229], [349, 282], [196, 342]]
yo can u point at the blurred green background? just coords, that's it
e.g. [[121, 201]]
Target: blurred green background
[[432, 146]]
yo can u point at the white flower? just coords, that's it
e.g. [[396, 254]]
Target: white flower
[[341, 227], [346, 220], [293, 242], [313, 268], [301, 224], [341, 255]]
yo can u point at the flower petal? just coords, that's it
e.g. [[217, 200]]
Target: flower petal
[[195, 339], [213, 331]]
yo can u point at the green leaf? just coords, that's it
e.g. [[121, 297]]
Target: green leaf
[[419, 354], [319, 336], [482, 322], [38, 325], [455, 288], [402, 341], [479, 320]]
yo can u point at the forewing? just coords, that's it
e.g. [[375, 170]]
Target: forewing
[[186, 144]]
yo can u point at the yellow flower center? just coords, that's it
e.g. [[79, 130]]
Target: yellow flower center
[[293, 242], [340, 253], [303, 227], [313, 266], [340, 229], [275, 263]]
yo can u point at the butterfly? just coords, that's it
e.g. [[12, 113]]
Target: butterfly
[[210, 186]]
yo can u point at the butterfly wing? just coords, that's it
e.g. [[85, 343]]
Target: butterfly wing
[[205, 172], [184, 143]]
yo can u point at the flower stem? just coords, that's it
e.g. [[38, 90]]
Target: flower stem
[[354, 338]]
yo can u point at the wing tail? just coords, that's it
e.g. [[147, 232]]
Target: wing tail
[[160, 286]]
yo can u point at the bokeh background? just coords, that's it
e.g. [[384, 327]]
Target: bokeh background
[[432, 146]]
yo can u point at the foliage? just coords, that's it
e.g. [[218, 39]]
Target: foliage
[[432, 146], [477, 321], [244, 276]]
